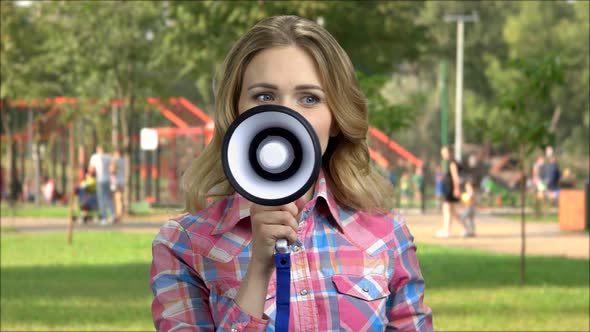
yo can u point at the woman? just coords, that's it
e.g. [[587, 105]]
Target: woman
[[353, 264], [452, 193]]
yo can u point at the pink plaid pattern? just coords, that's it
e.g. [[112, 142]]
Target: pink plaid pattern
[[350, 271]]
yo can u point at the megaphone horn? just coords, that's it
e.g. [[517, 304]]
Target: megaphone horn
[[271, 155]]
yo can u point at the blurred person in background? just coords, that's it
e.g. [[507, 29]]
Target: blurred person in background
[[418, 182], [468, 213], [568, 179], [117, 169], [452, 193], [552, 174], [439, 189], [48, 190], [538, 177], [99, 165], [405, 188]]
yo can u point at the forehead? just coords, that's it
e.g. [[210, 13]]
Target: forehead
[[282, 65]]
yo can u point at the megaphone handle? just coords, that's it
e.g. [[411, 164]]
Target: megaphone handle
[[282, 246]]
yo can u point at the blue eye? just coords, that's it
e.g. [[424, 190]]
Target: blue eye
[[310, 100], [263, 98]]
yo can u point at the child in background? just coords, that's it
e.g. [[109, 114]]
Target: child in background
[[468, 214], [404, 186], [418, 180]]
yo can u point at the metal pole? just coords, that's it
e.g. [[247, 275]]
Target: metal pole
[[461, 19], [444, 136], [459, 93]]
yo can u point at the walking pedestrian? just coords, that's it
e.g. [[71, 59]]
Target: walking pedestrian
[[118, 183], [468, 214], [452, 193], [99, 166]]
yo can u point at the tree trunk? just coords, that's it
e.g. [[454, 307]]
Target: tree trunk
[[11, 169], [115, 126], [125, 154], [125, 116], [37, 178], [522, 219], [70, 191], [64, 163], [555, 119]]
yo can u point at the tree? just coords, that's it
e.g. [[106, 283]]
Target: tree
[[564, 28], [517, 124], [199, 34]]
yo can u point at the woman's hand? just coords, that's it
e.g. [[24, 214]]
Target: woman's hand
[[269, 224]]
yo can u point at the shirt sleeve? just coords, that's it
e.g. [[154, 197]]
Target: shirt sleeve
[[405, 307], [181, 298]]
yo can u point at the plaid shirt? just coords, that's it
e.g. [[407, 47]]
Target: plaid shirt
[[350, 271]]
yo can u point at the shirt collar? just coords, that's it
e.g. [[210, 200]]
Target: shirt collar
[[238, 208]]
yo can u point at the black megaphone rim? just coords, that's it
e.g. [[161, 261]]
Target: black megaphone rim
[[316, 147]]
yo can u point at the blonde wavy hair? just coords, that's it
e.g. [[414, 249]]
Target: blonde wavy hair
[[346, 162]]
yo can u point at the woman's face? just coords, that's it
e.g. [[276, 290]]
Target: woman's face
[[287, 76]]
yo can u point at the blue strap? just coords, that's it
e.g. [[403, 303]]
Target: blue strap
[[283, 265]]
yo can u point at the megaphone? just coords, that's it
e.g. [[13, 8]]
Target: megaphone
[[271, 155]]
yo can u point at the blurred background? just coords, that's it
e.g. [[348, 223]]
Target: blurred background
[[503, 82]]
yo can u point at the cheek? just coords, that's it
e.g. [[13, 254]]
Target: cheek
[[321, 124]]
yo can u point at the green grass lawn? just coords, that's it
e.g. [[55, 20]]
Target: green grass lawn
[[63, 211], [31, 210], [101, 283]]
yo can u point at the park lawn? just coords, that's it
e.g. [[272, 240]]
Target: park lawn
[[101, 283], [31, 210], [63, 211]]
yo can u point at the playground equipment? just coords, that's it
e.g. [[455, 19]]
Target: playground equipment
[[156, 174]]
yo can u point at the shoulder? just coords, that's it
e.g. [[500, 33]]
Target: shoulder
[[202, 222], [389, 228], [193, 228]]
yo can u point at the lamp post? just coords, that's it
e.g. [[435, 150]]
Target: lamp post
[[460, 19]]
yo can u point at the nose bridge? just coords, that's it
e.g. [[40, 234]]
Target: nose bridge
[[288, 100]]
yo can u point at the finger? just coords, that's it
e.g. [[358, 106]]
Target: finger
[[283, 232], [282, 218], [285, 218], [291, 208]]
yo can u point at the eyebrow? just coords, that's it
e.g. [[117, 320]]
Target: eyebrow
[[274, 87]]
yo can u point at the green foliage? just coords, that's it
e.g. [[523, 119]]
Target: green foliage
[[133, 49], [519, 122], [383, 114]]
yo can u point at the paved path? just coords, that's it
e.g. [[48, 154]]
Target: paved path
[[493, 233], [503, 235]]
